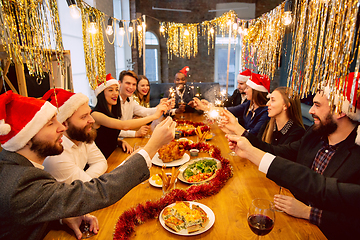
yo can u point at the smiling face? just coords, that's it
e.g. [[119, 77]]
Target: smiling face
[[47, 142], [80, 125], [180, 80], [248, 92], [324, 122], [127, 86], [276, 105], [143, 87], [111, 94]]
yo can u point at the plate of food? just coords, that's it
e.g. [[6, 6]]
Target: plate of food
[[171, 155], [187, 218], [184, 127], [158, 162], [209, 136], [156, 180], [199, 170]]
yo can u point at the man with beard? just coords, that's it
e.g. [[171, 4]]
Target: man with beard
[[330, 148], [81, 158], [30, 197], [239, 95]]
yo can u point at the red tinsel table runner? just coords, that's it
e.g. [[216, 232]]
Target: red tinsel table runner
[[151, 209]]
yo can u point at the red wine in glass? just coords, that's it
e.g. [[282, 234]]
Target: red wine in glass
[[261, 216], [260, 224]]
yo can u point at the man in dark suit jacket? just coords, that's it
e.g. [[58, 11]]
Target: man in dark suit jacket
[[31, 197], [239, 95], [182, 93], [330, 148]]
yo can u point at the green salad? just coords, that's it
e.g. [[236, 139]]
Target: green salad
[[205, 166]]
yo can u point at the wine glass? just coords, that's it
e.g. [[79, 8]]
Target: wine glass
[[85, 230], [261, 216]]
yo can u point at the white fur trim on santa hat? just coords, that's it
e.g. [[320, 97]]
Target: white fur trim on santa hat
[[71, 105], [345, 105], [242, 78], [46, 112], [253, 85], [4, 127], [357, 139], [104, 85]]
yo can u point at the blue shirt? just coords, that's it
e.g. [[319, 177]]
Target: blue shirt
[[252, 120]]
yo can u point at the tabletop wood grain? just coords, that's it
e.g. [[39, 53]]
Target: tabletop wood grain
[[230, 205]]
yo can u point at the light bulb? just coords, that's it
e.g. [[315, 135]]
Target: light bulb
[[109, 30], [74, 11], [245, 31], [92, 28], [186, 32], [240, 30], [139, 28], [162, 29], [131, 29], [121, 31], [287, 18], [235, 26], [229, 22], [212, 30]]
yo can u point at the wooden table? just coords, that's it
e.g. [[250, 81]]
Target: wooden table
[[230, 205]]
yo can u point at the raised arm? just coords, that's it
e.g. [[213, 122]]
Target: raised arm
[[103, 120]]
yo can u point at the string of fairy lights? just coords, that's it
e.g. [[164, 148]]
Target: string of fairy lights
[[324, 39]]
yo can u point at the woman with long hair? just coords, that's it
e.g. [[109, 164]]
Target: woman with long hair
[[253, 113], [107, 114], [142, 92], [285, 125]]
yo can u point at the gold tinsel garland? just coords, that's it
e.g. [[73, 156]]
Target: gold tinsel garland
[[323, 47], [262, 45], [182, 38], [30, 31], [94, 48]]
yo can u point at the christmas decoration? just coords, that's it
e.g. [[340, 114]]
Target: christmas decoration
[[151, 209]]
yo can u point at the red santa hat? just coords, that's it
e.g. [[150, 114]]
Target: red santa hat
[[109, 81], [185, 70], [66, 101], [259, 82], [244, 75], [21, 118]]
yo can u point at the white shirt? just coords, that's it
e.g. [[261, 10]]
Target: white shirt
[[70, 164], [266, 162], [131, 108]]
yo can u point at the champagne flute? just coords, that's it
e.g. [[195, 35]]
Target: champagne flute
[[261, 216], [181, 102]]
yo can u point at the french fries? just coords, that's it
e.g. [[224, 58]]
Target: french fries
[[202, 136], [168, 181]]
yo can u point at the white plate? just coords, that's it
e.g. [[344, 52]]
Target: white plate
[[158, 162], [183, 232], [152, 182], [183, 167]]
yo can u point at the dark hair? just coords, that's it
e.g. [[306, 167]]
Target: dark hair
[[102, 106], [259, 98], [127, 73], [147, 96]]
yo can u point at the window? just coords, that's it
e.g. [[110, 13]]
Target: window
[[221, 59], [152, 59]]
